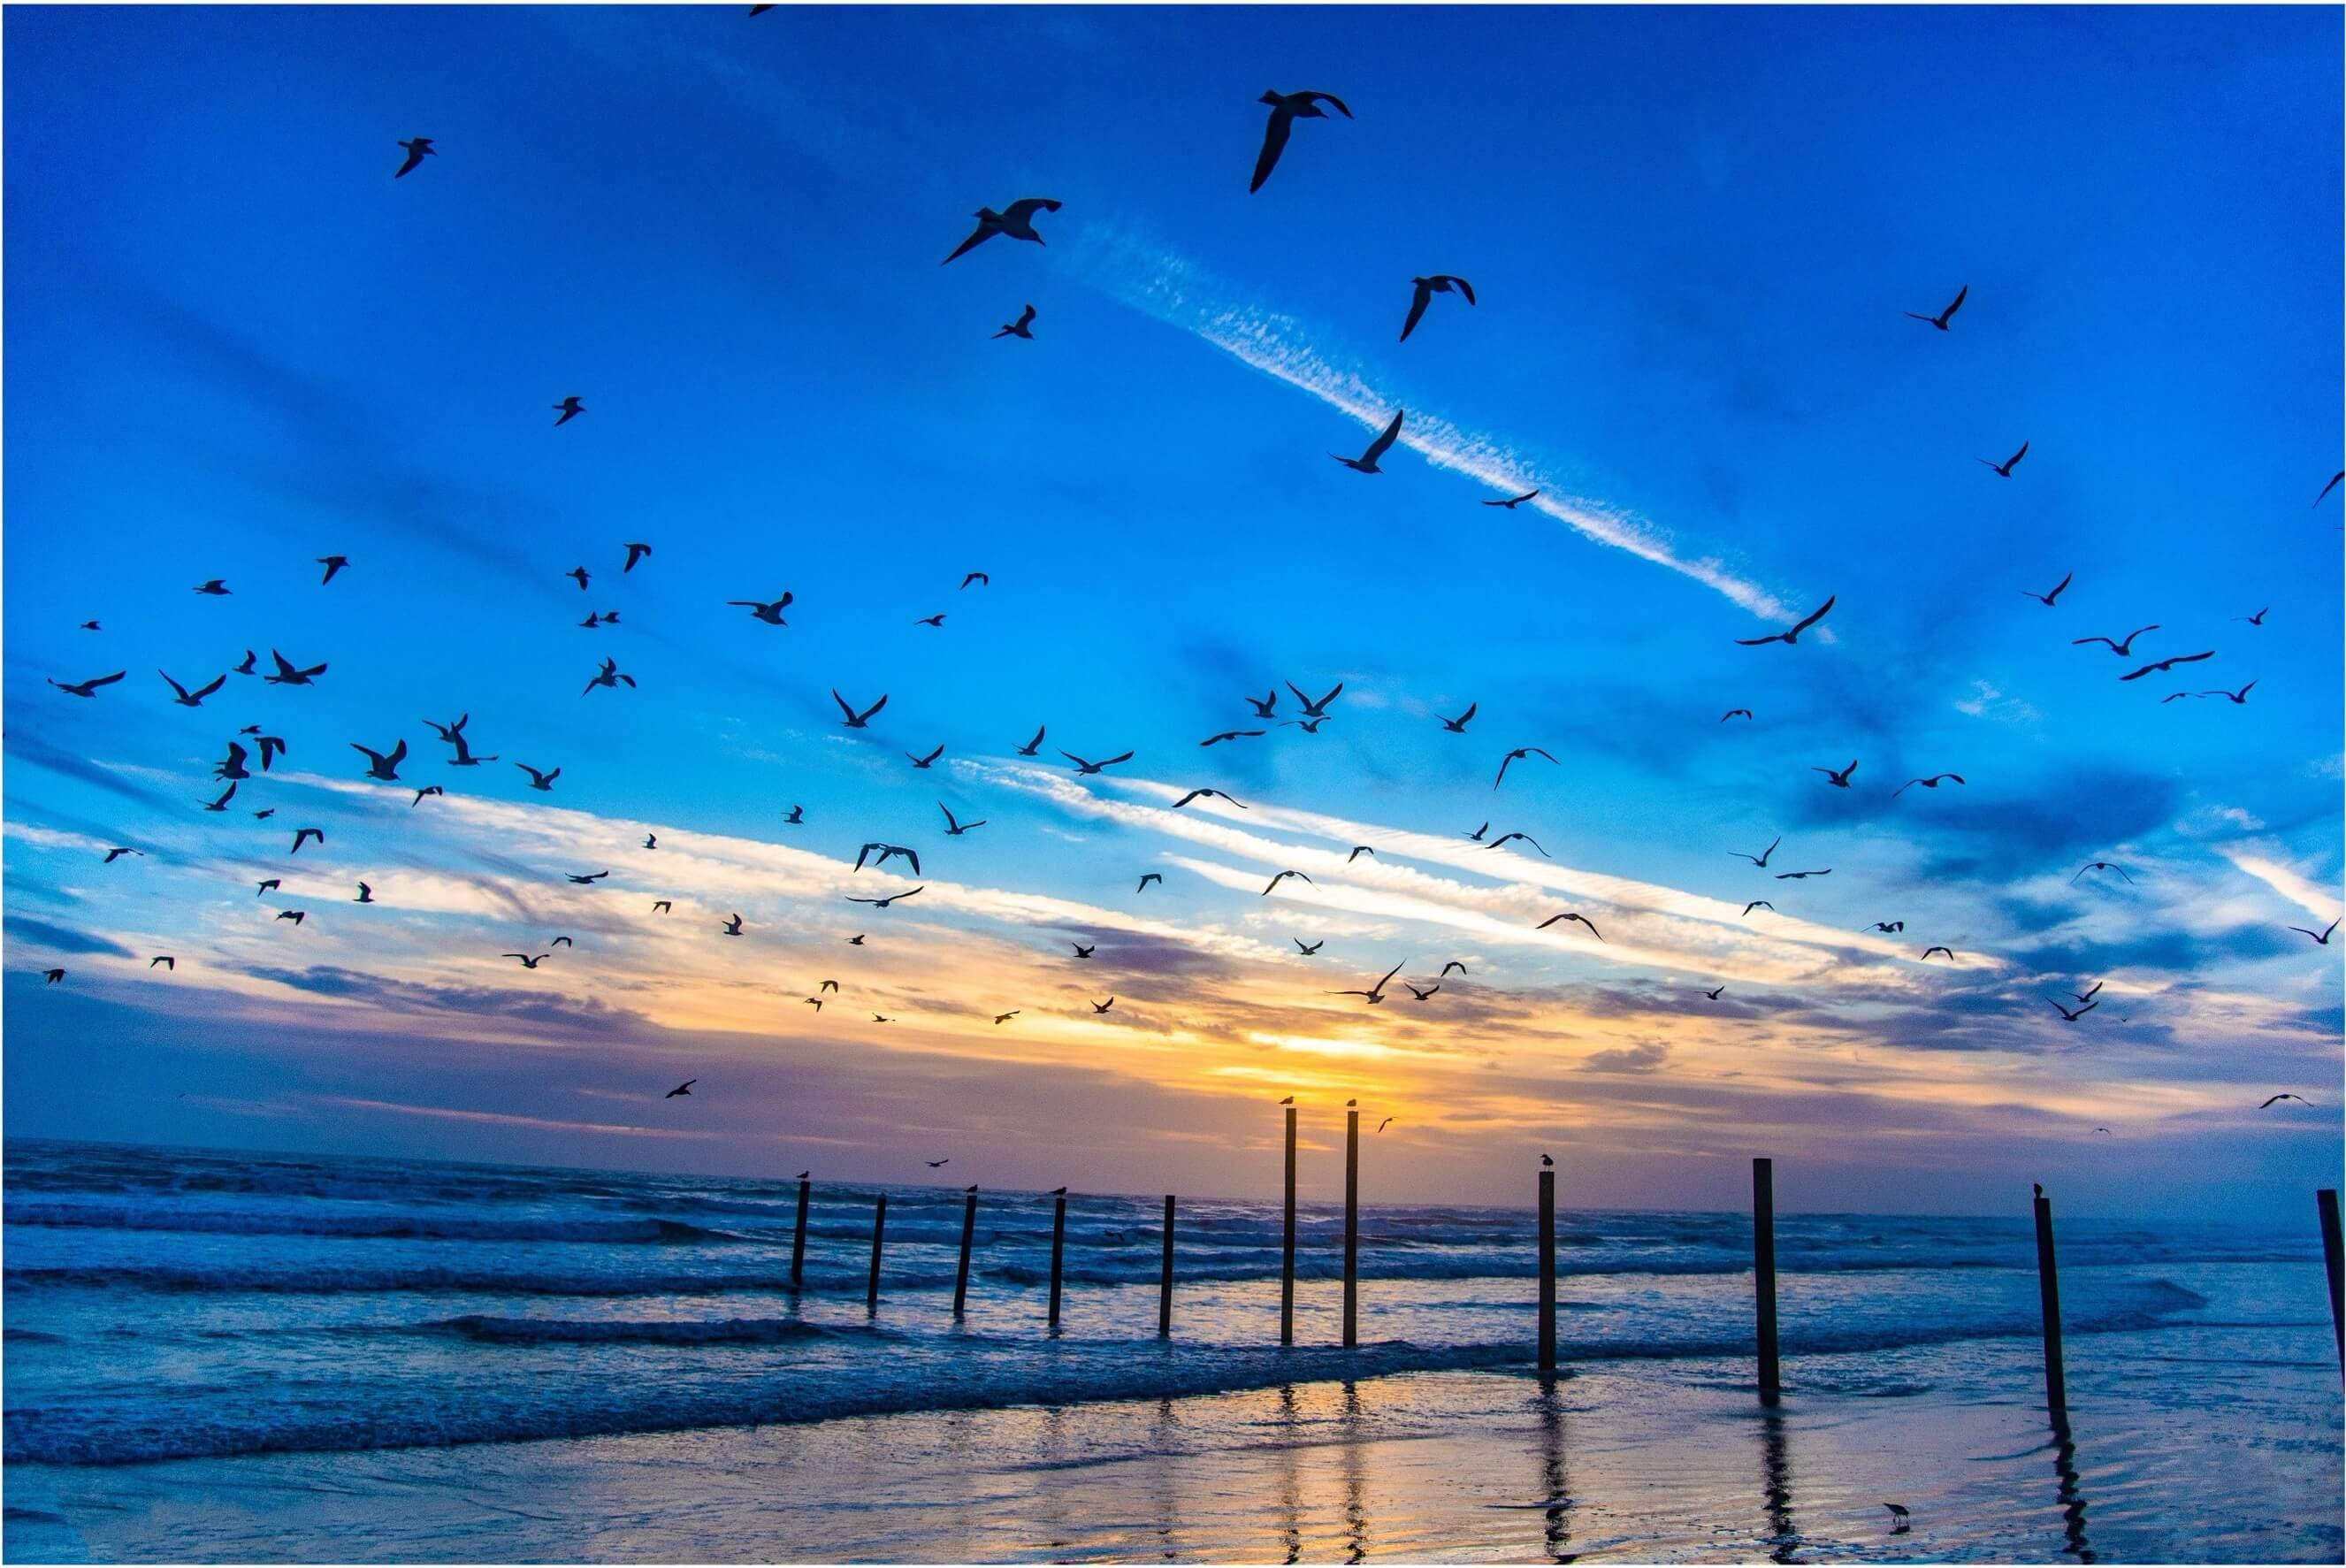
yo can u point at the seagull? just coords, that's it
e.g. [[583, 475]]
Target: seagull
[[1756, 904], [1426, 289], [1891, 927], [611, 676], [1477, 836], [1421, 995], [828, 985], [761, 609], [582, 574], [1715, 995], [1083, 767], [91, 626], [2100, 866], [166, 961], [1367, 462], [303, 834], [296, 916], [1310, 726], [1216, 794], [796, 819], [526, 961], [333, 563], [883, 904], [1308, 952], [881, 1018], [1016, 220], [1034, 745], [540, 780], [635, 554], [1932, 783], [2123, 649], [1102, 1006], [1083, 951], [1360, 849], [271, 747], [1453, 963], [814, 1002], [52, 975], [380, 765], [1001, 1018], [2299, 1098], [214, 587], [1526, 837], [1515, 501], [1940, 321], [1383, 1125], [1375, 993], [2164, 665], [2046, 599], [857, 941], [925, 761], [418, 148], [586, 880], [288, 675], [1458, 726], [1316, 709], [663, 906], [1792, 636], [855, 720], [1281, 878], [1583, 918], [1929, 951], [87, 687], [1023, 327], [2239, 697], [1265, 703], [2329, 487], [245, 668], [1288, 1101], [2089, 995], [562, 941], [2258, 619], [2321, 938], [1898, 1510], [225, 796], [2072, 1017], [651, 841], [937, 620], [194, 699], [1735, 713], [366, 895], [232, 765], [1802, 876], [1546, 1164], [1231, 734], [1517, 755], [1286, 108], [955, 828], [1840, 780], [980, 578], [1759, 860], [2009, 463], [115, 854], [683, 1088], [732, 927], [1147, 878], [569, 407]]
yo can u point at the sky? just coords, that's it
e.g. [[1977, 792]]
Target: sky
[[234, 343]]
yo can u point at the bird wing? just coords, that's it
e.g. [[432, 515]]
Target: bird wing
[[1328, 99], [978, 236], [2081, 642], [1026, 207], [1112, 761], [1467, 716], [1755, 642], [1416, 309], [1274, 142], [1384, 443], [1822, 611], [1461, 284], [174, 685], [1960, 295], [1025, 316]]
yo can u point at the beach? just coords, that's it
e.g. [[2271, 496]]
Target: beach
[[217, 1356]]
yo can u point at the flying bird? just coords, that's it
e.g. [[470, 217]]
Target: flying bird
[[683, 1088], [232, 765], [225, 796], [2088, 995], [1147, 878], [562, 941], [2123, 649], [2009, 463], [651, 841], [2100, 866], [1216, 794], [1932, 783], [537, 780], [296, 916], [418, 148], [582, 574], [797, 817], [1004, 1018], [1383, 1125], [1264, 703], [1367, 462], [2276, 1098], [1715, 995], [1583, 918], [1940, 321], [828, 985], [635, 554], [980, 578], [1756, 904], [610, 675], [1515, 501], [1929, 951], [1458, 726], [814, 1002], [925, 761], [732, 926], [1792, 635], [1802, 876], [1421, 995], [1286, 108], [1375, 993], [587, 880], [1083, 951], [855, 720], [245, 668], [384, 764], [2072, 1017], [213, 588], [937, 620], [1517, 755], [1425, 290], [333, 563], [1102, 1006], [2321, 938], [166, 961], [366, 895], [1759, 860], [769, 612], [87, 687], [1453, 963], [1231, 734], [1840, 780], [115, 854], [1016, 220], [1316, 709], [1526, 837], [2046, 599], [1891, 927], [1083, 767], [301, 835], [1281, 878], [2329, 487], [1309, 951], [52, 975], [1477, 836], [2258, 619], [663, 906], [185, 698], [955, 828], [1023, 327], [288, 674], [883, 904], [569, 407], [1735, 713], [1034, 745], [526, 961], [1360, 849], [2239, 697]]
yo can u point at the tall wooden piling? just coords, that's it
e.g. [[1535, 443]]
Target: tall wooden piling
[[2327, 1201], [879, 1228], [1351, 1228], [968, 1232], [2048, 1292], [1763, 1272], [1287, 1245], [1058, 1246], [798, 1238], [1548, 1271], [1164, 1277]]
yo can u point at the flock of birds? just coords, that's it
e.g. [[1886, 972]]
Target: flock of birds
[[1017, 221]]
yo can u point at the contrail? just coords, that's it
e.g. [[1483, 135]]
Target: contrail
[[1178, 292]]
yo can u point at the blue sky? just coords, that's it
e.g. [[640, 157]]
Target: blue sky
[[234, 343]]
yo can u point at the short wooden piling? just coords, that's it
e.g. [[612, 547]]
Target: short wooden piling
[[879, 1228], [1164, 1277], [798, 1238], [1058, 1246], [2048, 1293], [1287, 1246], [1763, 1273], [968, 1231], [1351, 1228], [1548, 1271], [2327, 1201]]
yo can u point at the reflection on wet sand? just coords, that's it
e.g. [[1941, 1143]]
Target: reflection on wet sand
[[1558, 1514], [1356, 1492], [1290, 1482], [1785, 1539], [2073, 1502]]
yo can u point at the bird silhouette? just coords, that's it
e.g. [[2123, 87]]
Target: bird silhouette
[[2009, 463], [635, 554], [935, 620], [1802, 876], [289, 674], [2321, 938], [366, 895], [1929, 951], [1526, 837], [1715, 995], [980, 578], [1890, 927], [1083, 767], [1081, 951], [1265, 703], [732, 926], [185, 698], [1102, 1006], [1840, 779], [1943, 317], [1367, 462], [1512, 502], [166, 961], [1001, 1018], [1458, 726], [925, 761], [418, 148], [2047, 599], [1756, 904], [587, 880], [1426, 289], [1216, 794], [1932, 783], [2239, 697], [333, 563], [2329, 487], [1286, 108], [1016, 220], [52, 975], [301, 835], [87, 687], [1023, 327], [1310, 950], [1791, 634], [2258, 619], [381, 764], [683, 1088], [2123, 649], [768, 611], [1517, 755], [1759, 860], [1735, 713], [527, 962], [213, 588], [1453, 963], [610, 675], [1375, 993], [115, 854], [855, 720], [2100, 866], [2068, 1015], [1281, 878], [569, 407], [225, 796], [541, 781], [1358, 850], [1147, 878], [232, 765], [1034, 745], [296, 916], [1420, 995], [1583, 919], [881, 903], [2278, 1098], [955, 828]]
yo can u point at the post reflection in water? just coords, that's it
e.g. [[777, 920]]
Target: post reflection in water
[[1786, 1540], [1356, 1492], [1558, 1512], [2073, 1502], [1292, 1488], [1168, 1496]]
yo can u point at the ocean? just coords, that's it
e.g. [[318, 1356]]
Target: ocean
[[173, 1305]]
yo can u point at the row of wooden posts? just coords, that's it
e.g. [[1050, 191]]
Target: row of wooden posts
[[1763, 1263]]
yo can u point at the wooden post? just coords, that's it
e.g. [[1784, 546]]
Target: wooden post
[[1763, 1272], [879, 1227], [1351, 1228], [798, 1239], [968, 1229], [1287, 1251], [1164, 1277], [1058, 1243], [2048, 1292], [2327, 1201], [1548, 1270]]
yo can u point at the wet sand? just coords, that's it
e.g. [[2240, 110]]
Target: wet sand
[[2187, 1444]]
